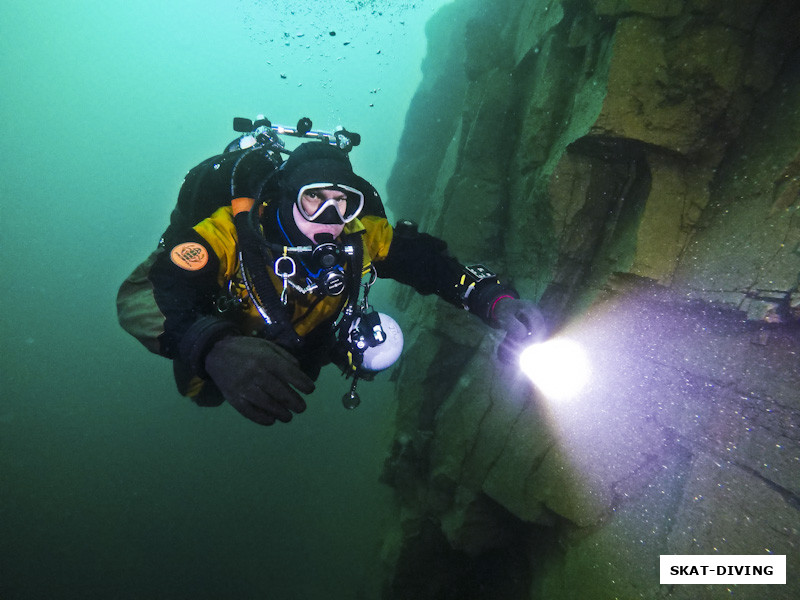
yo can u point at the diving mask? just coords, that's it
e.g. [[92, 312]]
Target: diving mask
[[342, 206]]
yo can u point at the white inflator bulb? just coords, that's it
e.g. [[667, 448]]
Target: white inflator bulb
[[384, 355]]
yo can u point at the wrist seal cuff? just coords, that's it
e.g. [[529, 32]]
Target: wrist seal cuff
[[198, 340], [482, 300]]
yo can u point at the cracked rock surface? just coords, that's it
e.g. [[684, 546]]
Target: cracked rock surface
[[634, 167]]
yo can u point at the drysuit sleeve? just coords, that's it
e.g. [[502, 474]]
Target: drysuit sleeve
[[423, 262], [185, 286]]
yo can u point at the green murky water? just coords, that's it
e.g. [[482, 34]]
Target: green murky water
[[113, 486]]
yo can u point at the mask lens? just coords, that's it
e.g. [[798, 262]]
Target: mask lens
[[354, 202]]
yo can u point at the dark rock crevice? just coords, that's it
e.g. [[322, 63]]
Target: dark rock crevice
[[615, 187], [431, 569]]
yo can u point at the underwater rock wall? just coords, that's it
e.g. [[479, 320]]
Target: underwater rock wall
[[634, 166]]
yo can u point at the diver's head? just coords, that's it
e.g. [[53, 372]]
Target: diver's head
[[319, 191]]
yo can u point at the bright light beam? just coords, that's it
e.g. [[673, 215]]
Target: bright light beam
[[558, 367]]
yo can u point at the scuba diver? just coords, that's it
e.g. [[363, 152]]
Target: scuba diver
[[257, 282]]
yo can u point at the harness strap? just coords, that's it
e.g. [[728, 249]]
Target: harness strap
[[355, 264], [277, 323]]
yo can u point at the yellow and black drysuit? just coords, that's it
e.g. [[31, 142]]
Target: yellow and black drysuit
[[188, 295]]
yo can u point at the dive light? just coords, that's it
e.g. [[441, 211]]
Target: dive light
[[558, 367]]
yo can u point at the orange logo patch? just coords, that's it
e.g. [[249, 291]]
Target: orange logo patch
[[190, 256]]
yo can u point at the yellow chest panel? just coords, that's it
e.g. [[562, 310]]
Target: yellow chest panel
[[307, 310]]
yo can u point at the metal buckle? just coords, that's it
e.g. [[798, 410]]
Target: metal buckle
[[281, 260]]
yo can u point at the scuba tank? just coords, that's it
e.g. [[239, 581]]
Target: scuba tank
[[208, 187]]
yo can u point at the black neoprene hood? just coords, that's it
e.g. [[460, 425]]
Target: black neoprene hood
[[318, 162]]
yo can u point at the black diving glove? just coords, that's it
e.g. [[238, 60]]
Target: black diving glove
[[258, 378], [524, 325]]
